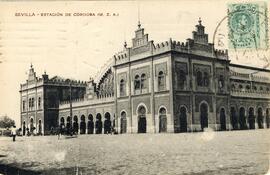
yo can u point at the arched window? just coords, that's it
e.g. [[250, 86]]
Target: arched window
[[122, 87], [199, 78], [240, 87], [33, 102], [232, 86], [247, 87], [221, 81], [161, 81], [39, 102], [137, 82], [261, 88], [143, 81], [181, 79], [23, 106], [205, 79], [254, 88], [30, 103]]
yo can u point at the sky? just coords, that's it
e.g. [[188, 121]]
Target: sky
[[78, 46]]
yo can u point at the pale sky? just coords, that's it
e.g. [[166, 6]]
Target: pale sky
[[77, 47]]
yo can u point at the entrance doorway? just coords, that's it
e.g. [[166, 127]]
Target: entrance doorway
[[142, 120], [251, 118], [123, 122], [222, 120], [162, 120], [204, 115], [183, 119]]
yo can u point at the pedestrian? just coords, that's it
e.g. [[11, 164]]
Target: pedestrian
[[13, 133]]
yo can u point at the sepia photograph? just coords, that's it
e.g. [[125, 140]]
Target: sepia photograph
[[135, 87]]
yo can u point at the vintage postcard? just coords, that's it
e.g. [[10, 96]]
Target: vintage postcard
[[134, 87]]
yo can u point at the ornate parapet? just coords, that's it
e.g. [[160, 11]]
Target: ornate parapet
[[122, 57], [84, 102]]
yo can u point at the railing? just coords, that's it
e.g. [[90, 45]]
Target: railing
[[250, 94]]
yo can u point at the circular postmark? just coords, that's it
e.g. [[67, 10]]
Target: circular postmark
[[244, 33]]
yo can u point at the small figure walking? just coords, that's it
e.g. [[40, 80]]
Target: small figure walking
[[13, 133]]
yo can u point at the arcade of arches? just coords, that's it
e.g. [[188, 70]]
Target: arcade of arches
[[239, 119]]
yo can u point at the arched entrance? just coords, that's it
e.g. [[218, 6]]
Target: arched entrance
[[234, 121], [123, 122], [82, 125], [24, 128], [267, 118], [32, 125], [142, 120], [39, 128], [69, 126], [183, 119], [242, 118], [162, 120], [204, 115], [98, 124], [222, 116], [62, 121], [107, 123], [260, 118], [75, 125], [251, 118], [90, 124]]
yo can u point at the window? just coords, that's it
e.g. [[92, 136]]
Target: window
[[261, 88], [140, 83], [161, 81], [33, 102], [137, 82], [23, 105], [205, 79], [30, 103], [267, 89], [247, 87], [233, 86], [199, 78], [39, 102], [240, 87], [122, 87], [254, 88], [181, 79], [221, 81], [143, 81]]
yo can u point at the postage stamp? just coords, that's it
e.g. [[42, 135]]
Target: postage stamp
[[248, 25]]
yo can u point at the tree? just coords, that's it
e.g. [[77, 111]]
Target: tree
[[6, 122]]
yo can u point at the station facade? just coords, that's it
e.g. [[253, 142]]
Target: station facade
[[167, 87]]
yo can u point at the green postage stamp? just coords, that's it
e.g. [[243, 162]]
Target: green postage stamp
[[248, 25]]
